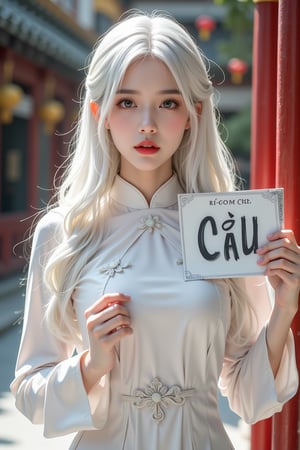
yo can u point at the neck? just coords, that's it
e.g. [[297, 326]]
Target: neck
[[146, 182]]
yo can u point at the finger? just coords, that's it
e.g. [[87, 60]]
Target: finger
[[110, 311], [285, 242], [105, 301], [115, 325], [100, 329], [106, 314], [282, 234], [281, 237], [280, 253], [285, 265], [289, 279], [113, 338]]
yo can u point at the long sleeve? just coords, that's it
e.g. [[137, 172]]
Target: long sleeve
[[247, 378], [48, 385]]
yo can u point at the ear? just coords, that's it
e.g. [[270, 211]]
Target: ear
[[198, 106], [95, 109]]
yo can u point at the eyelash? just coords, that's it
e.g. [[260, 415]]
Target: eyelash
[[170, 100], [121, 103], [124, 100]]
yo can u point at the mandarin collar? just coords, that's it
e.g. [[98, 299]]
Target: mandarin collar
[[128, 195]]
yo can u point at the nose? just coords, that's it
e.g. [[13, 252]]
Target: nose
[[147, 125]]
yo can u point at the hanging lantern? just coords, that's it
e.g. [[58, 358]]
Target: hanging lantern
[[237, 67], [205, 25], [10, 96], [10, 93], [51, 113]]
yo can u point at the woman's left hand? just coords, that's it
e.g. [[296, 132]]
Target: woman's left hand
[[281, 258]]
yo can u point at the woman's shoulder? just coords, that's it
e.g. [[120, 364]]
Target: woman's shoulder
[[51, 217], [50, 222]]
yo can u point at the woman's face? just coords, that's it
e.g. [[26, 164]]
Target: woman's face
[[148, 119]]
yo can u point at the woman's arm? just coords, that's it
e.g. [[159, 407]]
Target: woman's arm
[[48, 384], [108, 322], [261, 376], [281, 258]]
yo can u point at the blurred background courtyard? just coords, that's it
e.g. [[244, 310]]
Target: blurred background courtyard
[[44, 46]]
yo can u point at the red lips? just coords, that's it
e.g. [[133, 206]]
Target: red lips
[[146, 147]]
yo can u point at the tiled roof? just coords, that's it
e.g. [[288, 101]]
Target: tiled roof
[[28, 23]]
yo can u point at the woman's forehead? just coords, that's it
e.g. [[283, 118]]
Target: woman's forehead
[[148, 71]]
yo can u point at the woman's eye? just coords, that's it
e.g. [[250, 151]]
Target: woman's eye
[[126, 103], [169, 104]]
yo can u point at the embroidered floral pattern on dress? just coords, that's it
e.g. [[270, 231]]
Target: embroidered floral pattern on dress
[[150, 223], [157, 396], [114, 267]]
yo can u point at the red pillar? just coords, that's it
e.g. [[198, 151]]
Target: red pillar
[[285, 424], [263, 133], [264, 80]]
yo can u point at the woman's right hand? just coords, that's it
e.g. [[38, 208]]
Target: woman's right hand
[[107, 322]]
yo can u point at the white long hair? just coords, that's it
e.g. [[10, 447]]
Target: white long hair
[[202, 162]]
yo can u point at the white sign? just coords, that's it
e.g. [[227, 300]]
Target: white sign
[[220, 232]]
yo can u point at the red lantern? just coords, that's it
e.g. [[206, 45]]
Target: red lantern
[[205, 25], [237, 67]]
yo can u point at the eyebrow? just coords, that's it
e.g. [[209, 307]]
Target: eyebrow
[[163, 92]]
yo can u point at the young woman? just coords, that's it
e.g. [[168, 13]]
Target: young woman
[[106, 275]]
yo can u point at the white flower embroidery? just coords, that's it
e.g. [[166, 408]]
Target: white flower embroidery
[[150, 223], [114, 267], [156, 396]]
